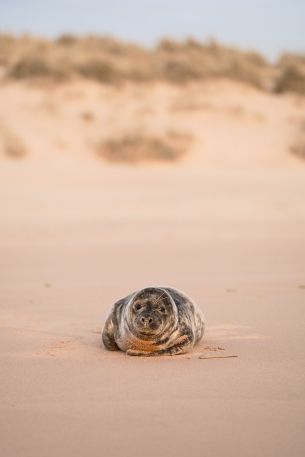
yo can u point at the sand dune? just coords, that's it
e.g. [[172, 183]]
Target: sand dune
[[225, 223], [226, 124]]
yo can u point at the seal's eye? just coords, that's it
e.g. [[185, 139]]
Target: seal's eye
[[162, 309], [138, 306]]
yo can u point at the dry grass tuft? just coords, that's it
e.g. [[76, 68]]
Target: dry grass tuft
[[298, 148], [98, 70], [292, 79], [134, 148], [36, 67], [87, 116], [66, 40], [291, 74], [12, 145]]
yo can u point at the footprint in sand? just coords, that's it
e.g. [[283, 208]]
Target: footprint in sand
[[210, 352], [225, 333], [71, 348], [61, 346]]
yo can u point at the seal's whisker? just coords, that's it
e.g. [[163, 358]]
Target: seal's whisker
[[159, 298]]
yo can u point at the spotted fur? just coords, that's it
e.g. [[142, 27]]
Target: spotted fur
[[153, 321]]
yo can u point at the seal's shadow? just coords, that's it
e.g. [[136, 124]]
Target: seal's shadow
[[219, 342]]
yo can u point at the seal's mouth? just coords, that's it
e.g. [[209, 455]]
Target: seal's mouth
[[147, 335], [146, 331]]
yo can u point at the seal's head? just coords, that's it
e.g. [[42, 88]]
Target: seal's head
[[151, 312]]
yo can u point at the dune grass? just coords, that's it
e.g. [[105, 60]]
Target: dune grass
[[291, 79], [298, 147], [134, 148], [10, 144], [111, 61]]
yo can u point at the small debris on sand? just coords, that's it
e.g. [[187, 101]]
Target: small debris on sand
[[218, 357]]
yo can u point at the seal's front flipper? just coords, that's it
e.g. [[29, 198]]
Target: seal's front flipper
[[108, 335], [140, 353], [177, 350], [183, 345]]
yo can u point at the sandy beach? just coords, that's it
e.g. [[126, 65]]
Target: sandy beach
[[225, 224]]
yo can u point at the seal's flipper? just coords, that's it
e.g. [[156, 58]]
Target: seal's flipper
[[108, 335]]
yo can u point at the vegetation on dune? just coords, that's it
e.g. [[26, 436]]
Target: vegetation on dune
[[108, 60], [292, 75], [11, 144], [133, 148], [98, 70], [298, 148], [36, 67], [182, 62]]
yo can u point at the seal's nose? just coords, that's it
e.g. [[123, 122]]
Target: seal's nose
[[146, 320]]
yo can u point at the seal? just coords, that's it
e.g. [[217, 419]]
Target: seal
[[154, 321]]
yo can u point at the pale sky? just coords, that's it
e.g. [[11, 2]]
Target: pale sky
[[270, 26]]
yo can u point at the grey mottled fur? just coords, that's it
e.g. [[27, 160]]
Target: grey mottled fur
[[153, 321]]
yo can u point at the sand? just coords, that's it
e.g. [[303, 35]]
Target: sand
[[226, 225]]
